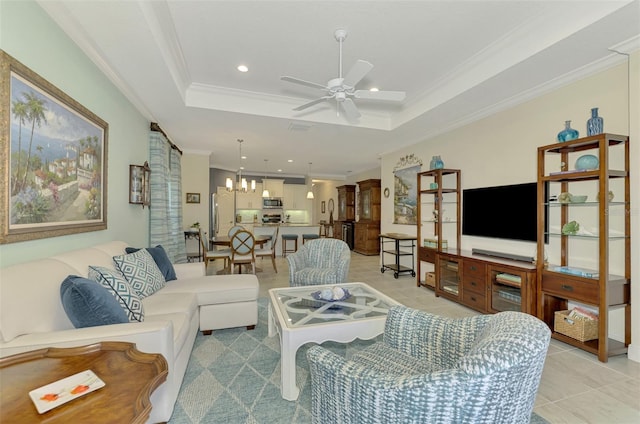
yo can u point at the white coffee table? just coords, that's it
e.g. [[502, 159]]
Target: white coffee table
[[299, 318]]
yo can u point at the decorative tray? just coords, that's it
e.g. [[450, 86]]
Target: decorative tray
[[62, 391], [324, 295]]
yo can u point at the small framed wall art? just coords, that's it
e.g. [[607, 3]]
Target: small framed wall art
[[139, 184], [193, 197]]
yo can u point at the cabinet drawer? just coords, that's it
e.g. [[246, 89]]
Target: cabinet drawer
[[474, 284], [475, 269], [426, 254], [474, 300], [570, 288]]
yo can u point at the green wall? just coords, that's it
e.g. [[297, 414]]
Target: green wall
[[29, 35]]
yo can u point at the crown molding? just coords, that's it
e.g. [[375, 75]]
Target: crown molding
[[162, 28], [61, 16]]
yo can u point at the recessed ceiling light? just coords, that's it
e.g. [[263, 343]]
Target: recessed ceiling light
[[242, 167], [243, 157], [373, 89], [279, 170], [289, 160], [243, 68]]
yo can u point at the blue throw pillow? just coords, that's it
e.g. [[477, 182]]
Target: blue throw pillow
[[161, 259], [141, 272], [117, 285], [88, 304]]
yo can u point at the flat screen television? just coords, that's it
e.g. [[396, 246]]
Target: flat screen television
[[504, 212]]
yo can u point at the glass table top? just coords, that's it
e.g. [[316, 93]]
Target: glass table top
[[301, 306]]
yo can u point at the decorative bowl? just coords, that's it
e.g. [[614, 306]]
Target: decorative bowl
[[579, 198], [320, 295], [565, 197], [587, 162]]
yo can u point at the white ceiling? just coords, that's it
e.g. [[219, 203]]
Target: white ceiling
[[457, 61]]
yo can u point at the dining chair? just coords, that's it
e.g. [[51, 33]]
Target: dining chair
[[212, 255], [242, 250], [234, 229], [269, 252]]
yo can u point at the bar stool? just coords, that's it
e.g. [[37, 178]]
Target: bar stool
[[289, 237], [306, 237]]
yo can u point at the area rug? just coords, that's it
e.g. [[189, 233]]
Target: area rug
[[233, 376]]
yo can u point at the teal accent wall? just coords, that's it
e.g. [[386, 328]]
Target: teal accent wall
[[29, 35]]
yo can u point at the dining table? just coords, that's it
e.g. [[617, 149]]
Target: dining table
[[225, 241]]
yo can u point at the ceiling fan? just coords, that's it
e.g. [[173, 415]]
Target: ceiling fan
[[343, 88]]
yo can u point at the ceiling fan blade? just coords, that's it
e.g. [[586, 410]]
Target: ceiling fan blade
[[303, 82], [392, 96], [311, 103], [350, 110], [357, 72]]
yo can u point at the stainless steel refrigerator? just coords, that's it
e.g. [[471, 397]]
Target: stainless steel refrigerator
[[221, 213], [214, 216]]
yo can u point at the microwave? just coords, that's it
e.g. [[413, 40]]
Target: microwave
[[272, 203]]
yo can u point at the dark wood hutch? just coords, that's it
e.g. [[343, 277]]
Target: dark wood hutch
[[367, 228]]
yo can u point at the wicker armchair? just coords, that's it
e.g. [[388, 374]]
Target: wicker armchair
[[430, 369], [319, 261]]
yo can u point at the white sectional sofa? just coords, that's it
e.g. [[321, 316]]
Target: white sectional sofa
[[32, 315]]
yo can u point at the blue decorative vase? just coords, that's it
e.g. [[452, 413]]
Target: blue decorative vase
[[587, 162], [436, 163], [568, 133], [595, 124]]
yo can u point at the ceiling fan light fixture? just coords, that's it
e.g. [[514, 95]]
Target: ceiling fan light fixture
[[343, 88]]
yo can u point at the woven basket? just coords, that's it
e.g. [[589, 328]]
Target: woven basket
[[430, 279], [578, 328]]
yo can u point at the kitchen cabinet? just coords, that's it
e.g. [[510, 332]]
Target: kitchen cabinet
[[275, 187], [295, 197], [249, 200]]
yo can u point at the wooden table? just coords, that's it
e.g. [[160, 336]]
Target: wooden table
[[226, 241], [130, 377]]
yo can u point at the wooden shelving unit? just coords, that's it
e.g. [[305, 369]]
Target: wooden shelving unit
[[603, 241], [438, 213]]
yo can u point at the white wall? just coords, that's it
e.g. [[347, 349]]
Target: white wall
[[326, 190], [195, 179], [502, 149], [29, 35]]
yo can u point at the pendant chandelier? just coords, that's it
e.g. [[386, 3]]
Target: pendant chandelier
[[241, 184], [265, 192], [310, 192]]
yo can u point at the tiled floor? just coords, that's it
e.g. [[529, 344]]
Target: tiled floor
[[575, 387]]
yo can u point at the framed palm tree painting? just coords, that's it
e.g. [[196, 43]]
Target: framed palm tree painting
[[54, 159]]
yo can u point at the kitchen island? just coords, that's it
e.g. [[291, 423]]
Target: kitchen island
[[285, 228]]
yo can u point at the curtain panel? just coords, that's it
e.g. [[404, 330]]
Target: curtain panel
[[166, 193]]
